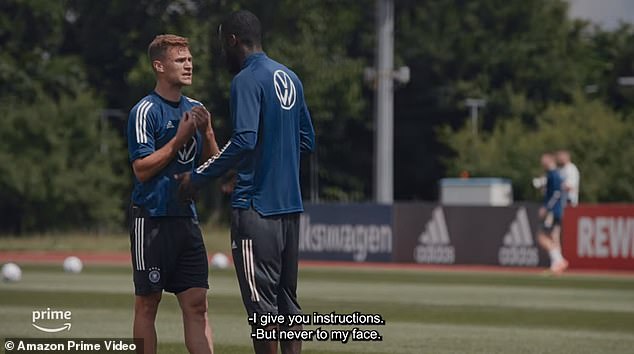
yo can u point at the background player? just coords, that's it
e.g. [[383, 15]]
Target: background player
[[551, 214], [167, 248], [570, 175], [271, 126]]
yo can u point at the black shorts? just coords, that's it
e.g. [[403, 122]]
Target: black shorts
[[168, 253], [265, 252], [549, 223]]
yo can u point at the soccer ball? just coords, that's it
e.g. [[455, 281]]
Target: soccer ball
[[73, 264], [219, 261], [11, 272]]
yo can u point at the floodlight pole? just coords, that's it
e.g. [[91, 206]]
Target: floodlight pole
[[474, 104], [384, 100]]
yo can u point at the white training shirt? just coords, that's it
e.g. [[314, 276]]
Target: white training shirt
[[570, 174]]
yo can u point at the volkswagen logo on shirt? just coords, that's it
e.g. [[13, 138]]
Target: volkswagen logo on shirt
[[187, 153], [284, 89]]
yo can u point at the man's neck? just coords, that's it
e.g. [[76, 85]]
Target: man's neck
[[247, 52], [168, 92]]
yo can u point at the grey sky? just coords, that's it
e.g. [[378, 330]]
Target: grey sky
[[606, 13]]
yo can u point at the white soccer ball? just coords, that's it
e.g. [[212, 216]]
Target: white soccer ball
[[11, 272], [73, 264], [219, 261]]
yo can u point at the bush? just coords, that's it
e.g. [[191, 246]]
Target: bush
[[598, 138], [59, 167]]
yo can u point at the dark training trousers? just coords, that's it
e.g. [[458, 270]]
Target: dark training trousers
[[265, 253]]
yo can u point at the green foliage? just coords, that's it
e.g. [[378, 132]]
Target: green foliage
[[319, 49], [316, 39], [57, 165], [57, 158], [598, 138], [610, 57], [518, 55], [63, 61], [31, 36]]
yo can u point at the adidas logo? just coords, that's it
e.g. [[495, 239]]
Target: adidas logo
[[434, 245], [170, 125], [233, 245], [518, 248]]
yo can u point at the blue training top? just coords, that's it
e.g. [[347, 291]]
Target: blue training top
[[152, 123], [271, 126], [553, 198]]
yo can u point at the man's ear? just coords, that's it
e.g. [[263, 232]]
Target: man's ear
[[232, 40], [158, 66]]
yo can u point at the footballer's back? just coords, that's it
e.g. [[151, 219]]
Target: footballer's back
[[272, 93]]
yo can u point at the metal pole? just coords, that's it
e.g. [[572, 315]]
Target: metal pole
[[314, 178], [474, 120], [474, 104], [384, 100]]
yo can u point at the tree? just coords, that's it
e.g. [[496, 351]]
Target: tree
[[304, 35], [527, 58], [611, 57], [56, 172], [30, 40], [57, 165], [503, 51], [597, 137]]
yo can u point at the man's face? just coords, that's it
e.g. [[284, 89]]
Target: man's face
[[560, 161], [548, 162], [562, 158], [177, 66], [230, 51]]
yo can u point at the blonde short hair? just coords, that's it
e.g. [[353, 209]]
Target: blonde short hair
[[161, 43]]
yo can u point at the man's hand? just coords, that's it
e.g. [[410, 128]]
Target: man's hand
[[229, 183], [202, 119], [186, 129], [149, 166], [186, 189], [542, 212]]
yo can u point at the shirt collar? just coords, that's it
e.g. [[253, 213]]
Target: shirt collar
[[171, 103], [253, 57]]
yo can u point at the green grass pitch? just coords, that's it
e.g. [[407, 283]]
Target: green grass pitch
[[425, 311]]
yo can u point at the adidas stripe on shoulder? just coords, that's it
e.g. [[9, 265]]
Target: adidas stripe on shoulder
[[140, 120], [194, 101]]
